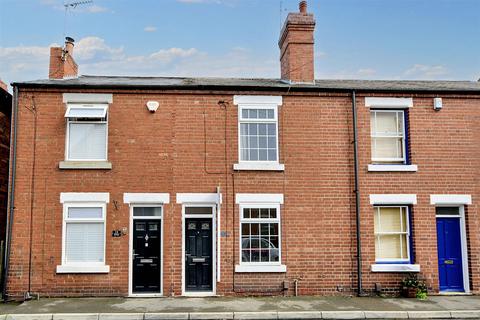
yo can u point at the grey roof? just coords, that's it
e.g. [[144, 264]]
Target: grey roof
[[253, 84]]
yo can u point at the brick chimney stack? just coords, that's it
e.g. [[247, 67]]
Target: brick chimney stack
[[62, 64], [296, 46]]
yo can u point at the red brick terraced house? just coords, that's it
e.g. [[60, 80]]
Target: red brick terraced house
[[155, 186]]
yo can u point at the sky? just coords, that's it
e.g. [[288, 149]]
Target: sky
[[354, 39]]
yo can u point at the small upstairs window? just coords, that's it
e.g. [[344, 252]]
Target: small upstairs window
[[87, 132], [258, 133], [388, 136]]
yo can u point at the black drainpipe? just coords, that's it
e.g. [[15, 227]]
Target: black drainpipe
[[357, 195], [13, 145]]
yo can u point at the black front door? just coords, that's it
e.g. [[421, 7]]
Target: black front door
[[146, 256], [198, 254]]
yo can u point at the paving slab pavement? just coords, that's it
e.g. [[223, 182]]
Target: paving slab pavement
[[435, 307]]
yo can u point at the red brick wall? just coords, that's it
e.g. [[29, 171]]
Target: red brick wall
[[443, 145], [164, 152], [61, 66]]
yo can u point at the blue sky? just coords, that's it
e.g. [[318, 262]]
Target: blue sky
[[361, 39]]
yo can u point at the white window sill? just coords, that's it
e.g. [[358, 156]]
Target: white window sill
[[259, 166], [83, 269], [103, 165], [392, 168], [260, 268], [395, 267]]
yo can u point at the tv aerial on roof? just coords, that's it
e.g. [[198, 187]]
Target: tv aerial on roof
[[72, 5], [76, 3]]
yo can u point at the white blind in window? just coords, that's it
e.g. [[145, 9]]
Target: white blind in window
[[87, 141], [84, 242]]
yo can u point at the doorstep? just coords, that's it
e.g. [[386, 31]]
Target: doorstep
[[279, 315]]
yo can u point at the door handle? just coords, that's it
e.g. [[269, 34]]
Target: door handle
[[448, 262], [198, 259]]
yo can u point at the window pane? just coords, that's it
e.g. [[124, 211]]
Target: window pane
[[245, 113], [198, 210], [387, 148], [262, 128], [255, 213], [448, 211], [246, 255], [244, 154], [390, 220], [252, 113], [84, 242], [147, 211], [262, 142], [253, 142], [263, 154], [388, 247], [244, 129], [386, 123], [246, 213], [262, 113], [264, 213], [273, 213], [245, 229], [87, 141], [271, 129], [85, 213], [86, 112], [272, 155], [270, 114]]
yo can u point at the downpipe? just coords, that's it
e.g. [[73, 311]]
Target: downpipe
[[357, 195]]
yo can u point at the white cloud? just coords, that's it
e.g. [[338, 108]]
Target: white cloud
[[426, 72], [150, 29], [95, 9], [24, 62], [91, 48], [95, 56]]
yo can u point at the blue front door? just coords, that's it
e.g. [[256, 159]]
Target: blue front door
[[449, 254]]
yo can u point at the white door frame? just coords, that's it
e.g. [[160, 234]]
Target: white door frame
[[214, 251], [130, 249], [464, 244]]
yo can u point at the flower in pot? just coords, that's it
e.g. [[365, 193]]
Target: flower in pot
[[412, 287]]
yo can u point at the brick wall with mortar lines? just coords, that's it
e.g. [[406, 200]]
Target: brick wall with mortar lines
[[164, 152], [443, 145]]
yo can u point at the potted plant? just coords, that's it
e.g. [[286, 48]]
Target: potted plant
[[412, 287]]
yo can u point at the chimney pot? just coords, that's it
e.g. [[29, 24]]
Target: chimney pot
[[303, 6], [69, 44]]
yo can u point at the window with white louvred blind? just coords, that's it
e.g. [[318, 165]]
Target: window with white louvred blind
[[84, 235]]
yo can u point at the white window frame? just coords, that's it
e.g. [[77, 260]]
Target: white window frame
[[375, 135], [82, 267], [258, 102], [260, 201], [407, 232], [70, 121]]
